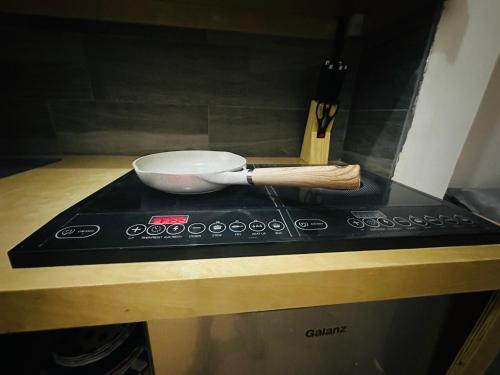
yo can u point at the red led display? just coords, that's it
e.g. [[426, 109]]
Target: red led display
[[171, 219]]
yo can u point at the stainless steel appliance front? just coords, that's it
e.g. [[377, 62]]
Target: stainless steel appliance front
[[385, 337]]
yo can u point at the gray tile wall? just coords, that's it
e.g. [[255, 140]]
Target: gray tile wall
[[352, 52], [105, 88], [82, 87], [387, 84]]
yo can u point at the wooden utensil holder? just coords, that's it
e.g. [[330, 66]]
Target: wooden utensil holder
[[315, 150]]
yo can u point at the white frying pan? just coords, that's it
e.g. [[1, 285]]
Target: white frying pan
[[194, 172]]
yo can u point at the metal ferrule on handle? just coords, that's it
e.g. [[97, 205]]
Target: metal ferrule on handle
[[229, 178]]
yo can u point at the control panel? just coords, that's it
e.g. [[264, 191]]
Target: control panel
[[145, 236], [236, 227], [177, 229], [381, 222], [407, 222], [253, 226]]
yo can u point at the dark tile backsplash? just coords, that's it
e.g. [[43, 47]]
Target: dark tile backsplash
[[33, 45], [112, 88], [135, 69], [390, 72], [257, 131], [88, 87], [42, 65], [44, 80], [372, 138], [27, 129], [338, 134], [104, 127], [384, 95], [374, 133]]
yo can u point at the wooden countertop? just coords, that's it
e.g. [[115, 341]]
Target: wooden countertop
[[57, 297]]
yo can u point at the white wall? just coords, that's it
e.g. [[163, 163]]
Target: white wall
[[479, 162], [460, 64]]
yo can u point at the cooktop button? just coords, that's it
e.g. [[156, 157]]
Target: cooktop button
[[276, 225], [448, 220], [237, 226], [311, 224], [175, 229], [433, 220], [156, 229], [371, 223], [77, 231], [385, 222], [463, 219], [356, 223], [418, 220], [197, 228], [257, 226], [217, 227], [135, 230], [401, 221]]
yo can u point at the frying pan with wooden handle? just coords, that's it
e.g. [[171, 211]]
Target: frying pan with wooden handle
[[195, 172]]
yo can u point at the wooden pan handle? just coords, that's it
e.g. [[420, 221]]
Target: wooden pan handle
[[330, 176]]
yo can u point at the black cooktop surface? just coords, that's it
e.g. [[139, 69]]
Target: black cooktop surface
[[127, 221]]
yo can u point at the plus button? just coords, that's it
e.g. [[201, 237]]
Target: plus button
[[135, 230]]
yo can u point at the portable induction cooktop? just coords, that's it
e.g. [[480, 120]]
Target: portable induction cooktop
[[127, 221]]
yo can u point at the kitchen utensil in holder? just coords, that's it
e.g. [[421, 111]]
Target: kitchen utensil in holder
[[316, 150]]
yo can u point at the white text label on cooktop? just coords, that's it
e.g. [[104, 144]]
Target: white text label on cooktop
[[311, 224], [77, 231]]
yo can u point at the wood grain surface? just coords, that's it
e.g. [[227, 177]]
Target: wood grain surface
[[328, 176], [483, 344], [316, 150]]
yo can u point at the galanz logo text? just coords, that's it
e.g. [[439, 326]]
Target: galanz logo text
[[329, 331]]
